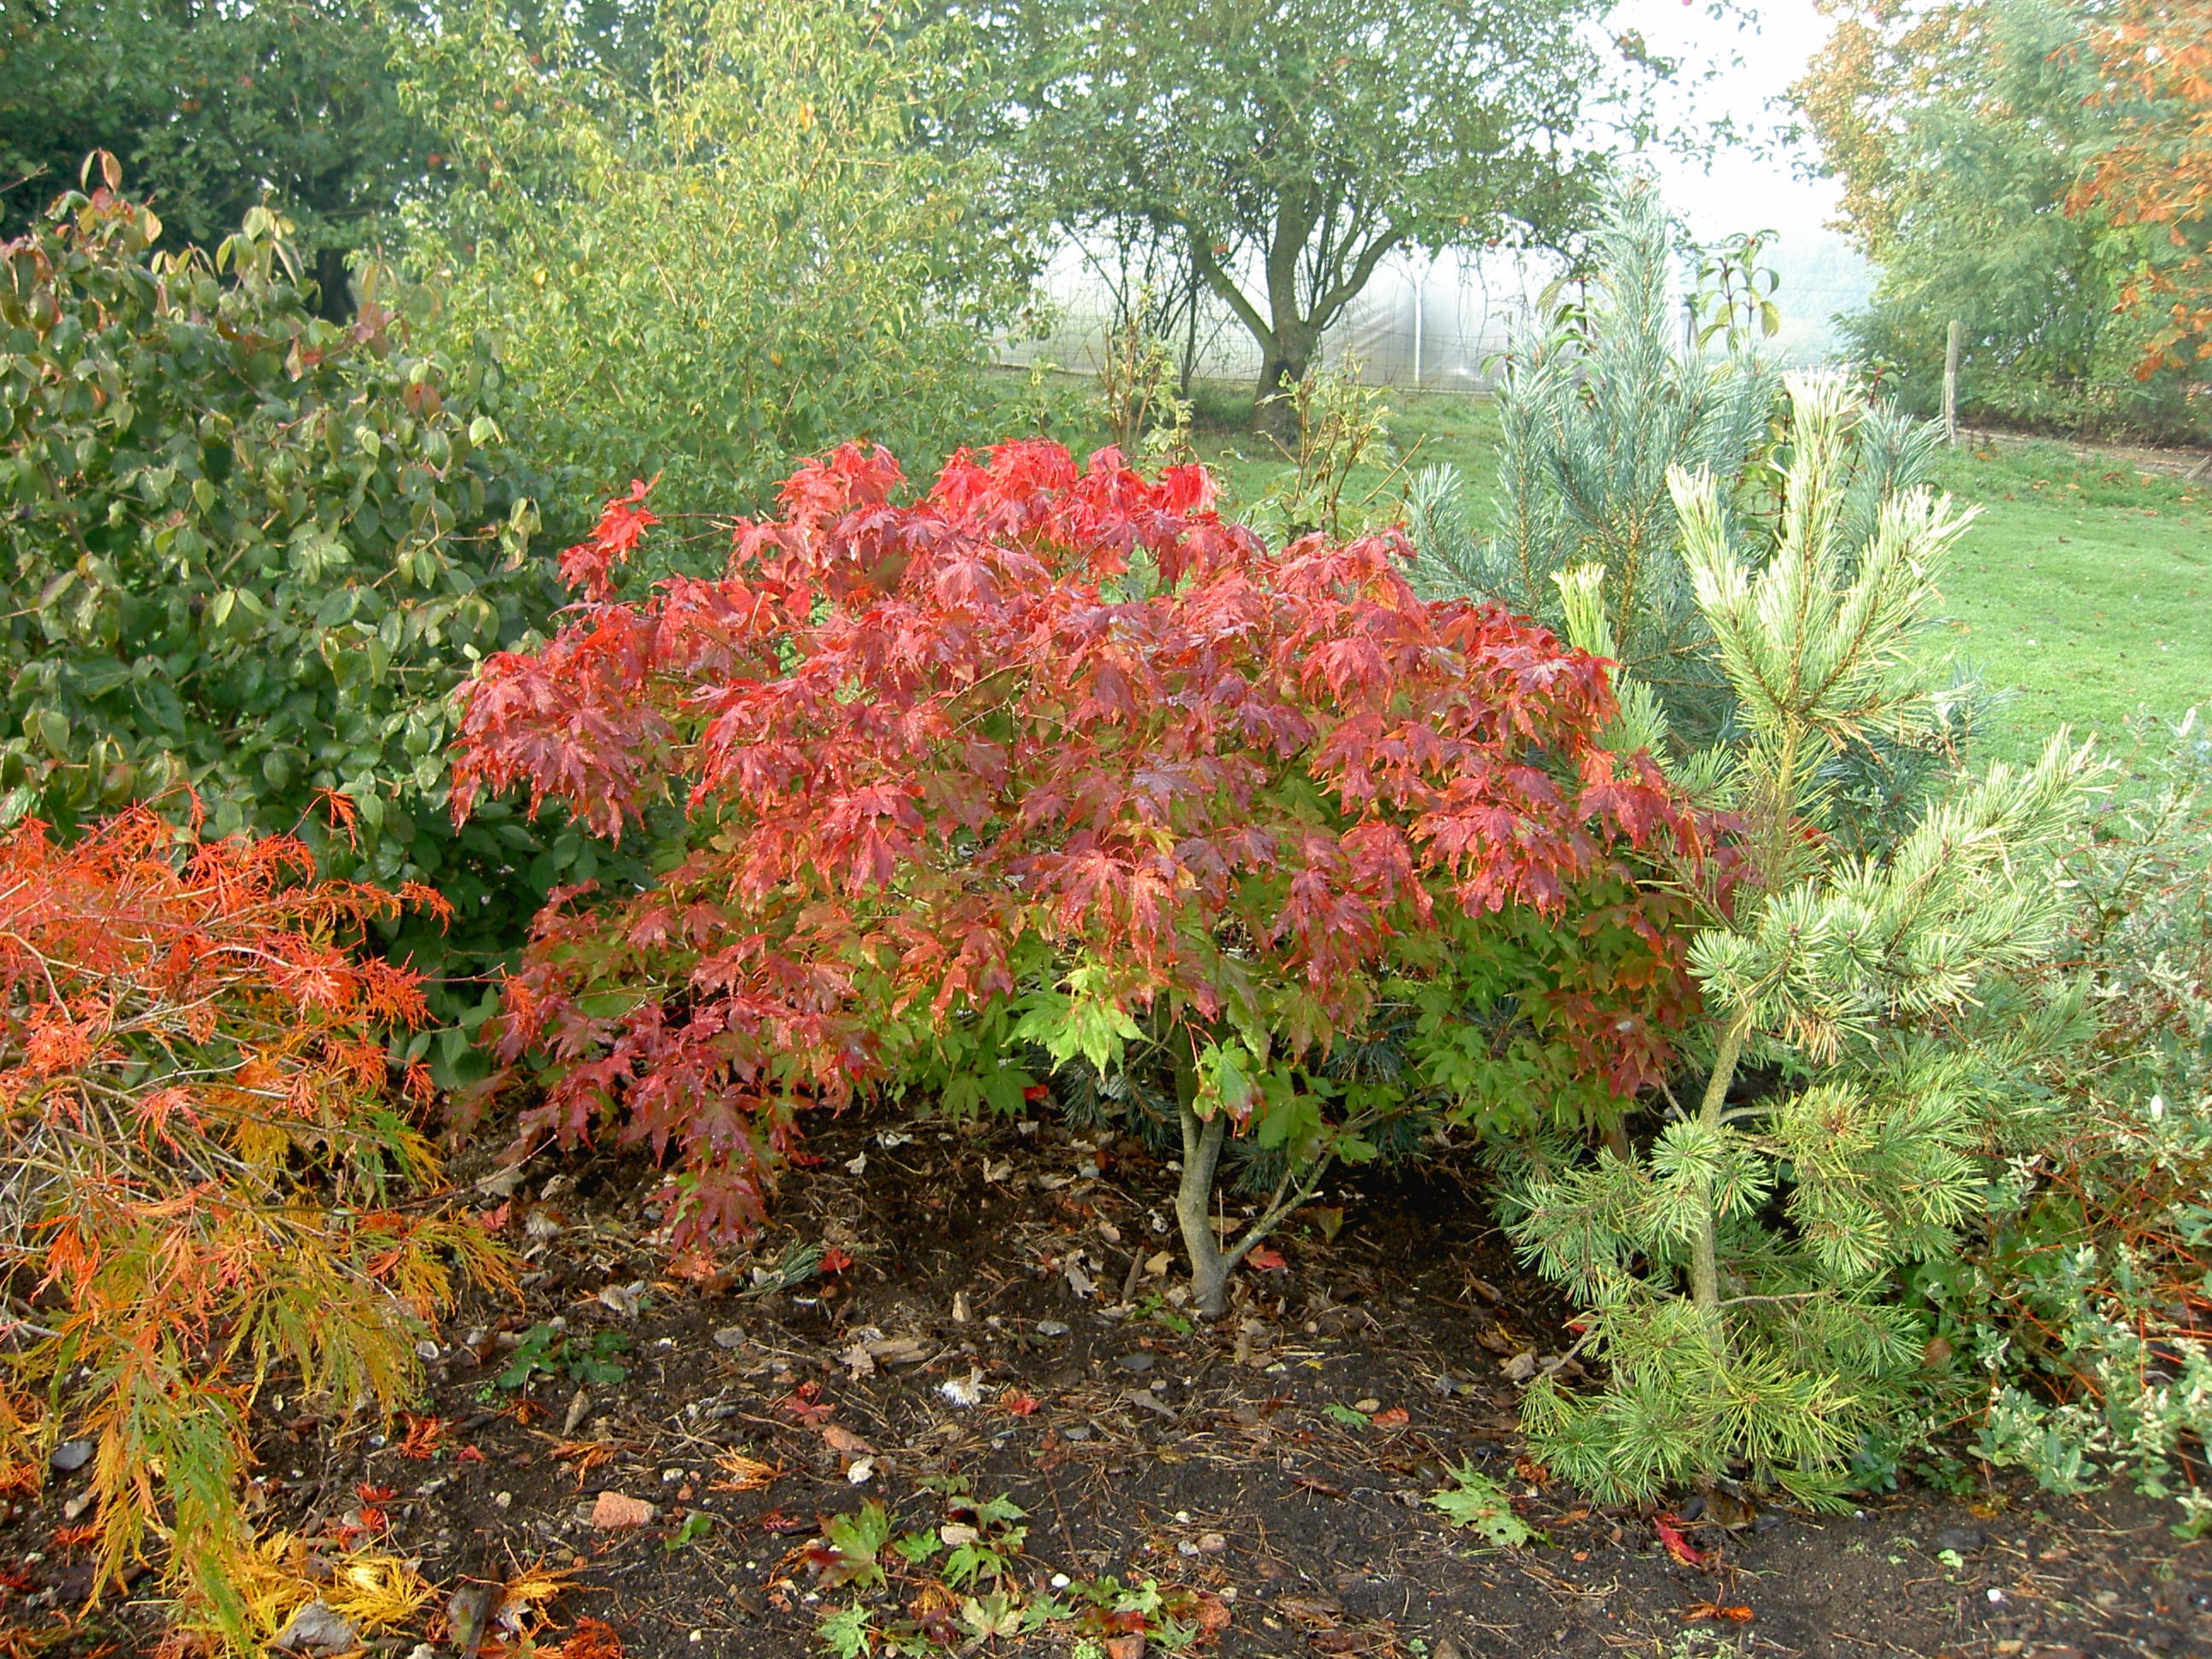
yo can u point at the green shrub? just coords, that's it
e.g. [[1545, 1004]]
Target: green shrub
[[253, 552], [2076, 1336]]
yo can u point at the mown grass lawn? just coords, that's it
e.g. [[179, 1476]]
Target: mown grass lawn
[[2083, 589], [2082, 593]]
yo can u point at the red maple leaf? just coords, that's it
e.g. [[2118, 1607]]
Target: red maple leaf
[[1680, 1548]]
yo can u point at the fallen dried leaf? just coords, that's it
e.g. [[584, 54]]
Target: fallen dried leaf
[[843, 1440], [590, 1640], [1395, 1417], [746, 1473], [1314, 1611], [1717, 1610]]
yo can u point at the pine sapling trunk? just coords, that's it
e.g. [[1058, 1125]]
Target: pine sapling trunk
[[1705, 1247]]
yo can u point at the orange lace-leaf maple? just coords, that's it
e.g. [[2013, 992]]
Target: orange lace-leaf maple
[[205, 1173]]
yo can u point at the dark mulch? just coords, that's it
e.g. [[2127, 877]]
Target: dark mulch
[[1208, 1460]]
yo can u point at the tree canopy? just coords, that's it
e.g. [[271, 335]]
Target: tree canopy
[[1293, 145], [211, 108], [2009, 169]]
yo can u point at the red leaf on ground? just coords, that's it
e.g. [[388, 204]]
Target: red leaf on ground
[[1020, 1404], [803, 1403], [1266, 1261], [1396, 1417], [1680, 1548], [834, 1261]]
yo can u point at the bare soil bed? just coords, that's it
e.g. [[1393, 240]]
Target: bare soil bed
[[1267, 1477]]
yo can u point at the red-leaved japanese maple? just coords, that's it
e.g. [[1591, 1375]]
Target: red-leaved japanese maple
[[1055, 761]]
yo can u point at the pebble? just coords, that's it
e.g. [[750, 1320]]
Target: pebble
[[1051, 1327], [317, 1629], [70, 1456], [1075, 1431], [730, 1336], [1136, 1361], [615, 1511], [1964, 1539]]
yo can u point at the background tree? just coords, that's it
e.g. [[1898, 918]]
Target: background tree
[[764, 255], [212, 107], [1961, 133], [1290, 146], [2154, 168]]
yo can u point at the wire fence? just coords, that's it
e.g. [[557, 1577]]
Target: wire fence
[[1443, 324]]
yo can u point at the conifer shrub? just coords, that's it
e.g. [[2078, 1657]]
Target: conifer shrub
[[211, 1177], [1740, 1269], [1055, 766]]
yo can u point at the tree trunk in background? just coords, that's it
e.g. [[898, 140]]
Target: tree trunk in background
[[335, 304]]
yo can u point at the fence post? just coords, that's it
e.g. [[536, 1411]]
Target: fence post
[[1951, 343], [1420, 295]]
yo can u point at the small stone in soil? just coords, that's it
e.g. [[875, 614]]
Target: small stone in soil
[[316, 1629], [1135, 1362], [70, 1456], [730, 1336], [1075, 1431], [1051, 1327], [615, 1510]]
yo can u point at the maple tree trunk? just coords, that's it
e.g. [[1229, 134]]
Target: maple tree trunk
[[1209, 1266]]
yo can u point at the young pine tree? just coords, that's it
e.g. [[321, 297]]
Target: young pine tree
[[1736, 1269], [1594, 418]]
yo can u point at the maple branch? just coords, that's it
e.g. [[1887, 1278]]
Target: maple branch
[[1279, 1206]]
